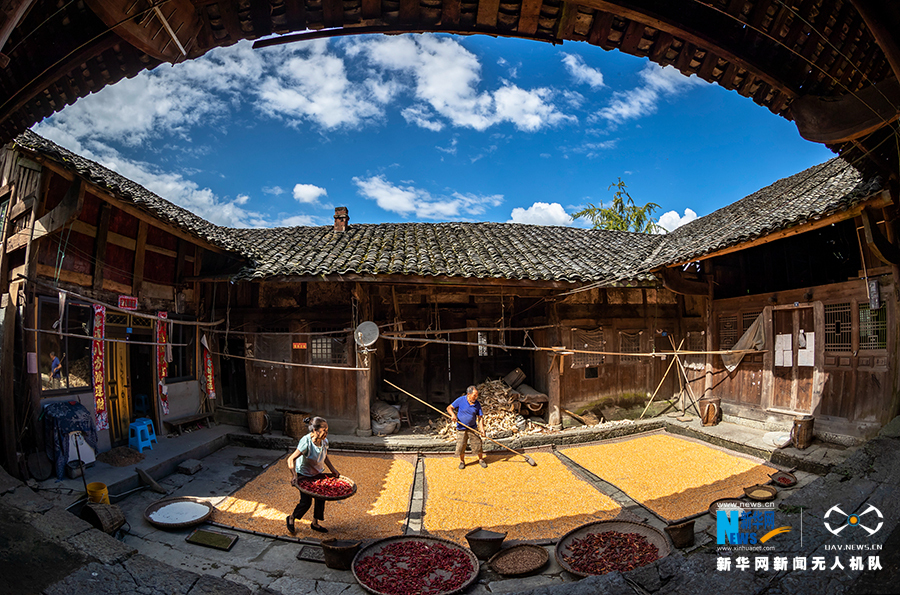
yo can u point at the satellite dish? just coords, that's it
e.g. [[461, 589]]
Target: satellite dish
[[366, 333]]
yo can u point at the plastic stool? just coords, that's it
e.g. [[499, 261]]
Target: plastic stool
[[149, 423], [139, 436]]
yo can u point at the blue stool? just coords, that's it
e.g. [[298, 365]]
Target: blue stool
[[139, 436], [149, 423]]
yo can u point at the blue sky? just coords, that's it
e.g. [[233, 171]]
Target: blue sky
[[429, 128]]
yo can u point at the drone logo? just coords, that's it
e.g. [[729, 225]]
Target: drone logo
[[853, 520]]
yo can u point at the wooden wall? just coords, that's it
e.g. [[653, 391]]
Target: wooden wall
[[852, 386]]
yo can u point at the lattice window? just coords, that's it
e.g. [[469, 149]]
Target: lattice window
[[585, 340], [728, 331], [273, 344], [328, 349], [838, 327], [747, 319], [696, 341], [629, 343], [872, 328]]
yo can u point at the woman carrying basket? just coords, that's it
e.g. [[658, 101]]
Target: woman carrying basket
[[309, 461]]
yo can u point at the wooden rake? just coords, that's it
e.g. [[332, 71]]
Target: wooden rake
[[445, 414]]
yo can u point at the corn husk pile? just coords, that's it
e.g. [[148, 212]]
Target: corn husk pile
[[500, 405]]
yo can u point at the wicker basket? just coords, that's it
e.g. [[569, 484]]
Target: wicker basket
[[299, 486], [508, 561], [654, 536]]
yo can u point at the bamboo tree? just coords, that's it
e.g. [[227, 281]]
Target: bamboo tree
[[622, 214]]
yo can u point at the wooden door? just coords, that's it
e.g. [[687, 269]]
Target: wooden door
[[119, 391], [794, 361]]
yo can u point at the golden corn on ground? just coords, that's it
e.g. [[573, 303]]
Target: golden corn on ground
[[378, 509], [673, 477], [529, 503]]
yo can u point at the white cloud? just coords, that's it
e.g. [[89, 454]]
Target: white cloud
[[541, 213], [308, 193], [411, 201], [657, 82], [581, 72], [273, 190], [315, 87], [298, 220], [671, 220], [443, 78], [451, 150], [166, 100]]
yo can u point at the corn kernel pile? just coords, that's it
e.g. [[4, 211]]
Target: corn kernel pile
[[673, 477], [378, 509], [528, 502]]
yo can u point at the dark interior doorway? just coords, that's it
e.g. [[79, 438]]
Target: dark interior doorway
[[233, 375]]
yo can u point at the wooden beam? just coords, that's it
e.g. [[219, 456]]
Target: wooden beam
[[674, 280], [848, 117], [12, 14], [600, 27], [701, 26], [371, 9], [73, 61], [877, 242], [100, 245], [529, 16], [883, 21], [137, 278], [332, 13], [75, 278], [487, 13], [880, 200], [409, 12], [565, 25]]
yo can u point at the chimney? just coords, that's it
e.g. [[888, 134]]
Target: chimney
[[341, 218]]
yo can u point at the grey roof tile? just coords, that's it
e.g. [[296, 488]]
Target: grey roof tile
[[817, 192]]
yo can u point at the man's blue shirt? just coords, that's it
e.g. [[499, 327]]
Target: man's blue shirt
[[466, 413]]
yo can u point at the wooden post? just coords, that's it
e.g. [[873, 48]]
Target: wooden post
[[364, 378], [554, 382], [710, 323], [7, 398]]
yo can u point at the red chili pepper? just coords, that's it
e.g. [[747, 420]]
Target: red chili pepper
[[599, 553]]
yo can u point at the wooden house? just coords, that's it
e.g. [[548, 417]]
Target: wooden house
[[814, 255], [591, 317]]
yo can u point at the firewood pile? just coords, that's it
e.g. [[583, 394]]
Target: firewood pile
[[500, 405]]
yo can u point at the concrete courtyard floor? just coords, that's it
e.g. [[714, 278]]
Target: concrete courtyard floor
[[45, 549]]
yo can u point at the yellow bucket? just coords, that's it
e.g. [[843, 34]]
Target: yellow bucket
[[98, 493]]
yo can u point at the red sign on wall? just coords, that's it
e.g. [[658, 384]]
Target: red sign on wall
[[126, 302], [299, 345]]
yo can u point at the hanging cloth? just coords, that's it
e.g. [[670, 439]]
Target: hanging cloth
[[208, 372], [754, 338], [98, 363], [162, 364]]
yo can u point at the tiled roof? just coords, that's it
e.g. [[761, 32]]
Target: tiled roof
[[133, 192], [482, 250], [812, 194], [495, 250]]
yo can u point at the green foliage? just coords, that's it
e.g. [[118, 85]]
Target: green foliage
[[622, 214]]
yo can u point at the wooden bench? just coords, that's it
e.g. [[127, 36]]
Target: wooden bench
[[179, 422]]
